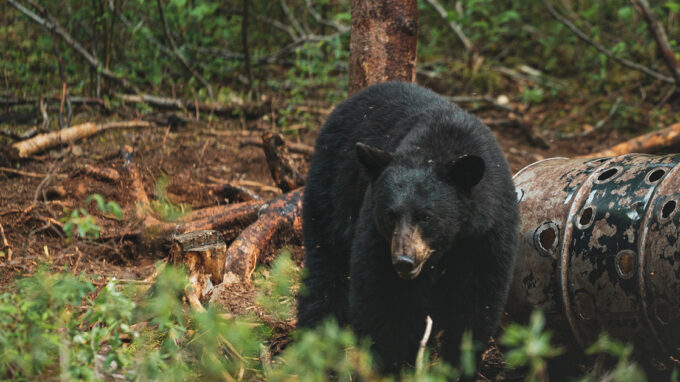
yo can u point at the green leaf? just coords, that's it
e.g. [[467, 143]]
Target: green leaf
[[672, 6], [626, 13]]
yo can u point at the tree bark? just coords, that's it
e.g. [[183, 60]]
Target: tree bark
[[382, 42]]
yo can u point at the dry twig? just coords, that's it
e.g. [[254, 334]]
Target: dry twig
[[5, 243], [423, 343]]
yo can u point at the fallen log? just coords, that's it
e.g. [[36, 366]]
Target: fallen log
[[280, 214], [46, 141], [648, 143]]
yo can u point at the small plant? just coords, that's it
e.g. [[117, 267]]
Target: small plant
[[625, 370], [85, 225], [530, 346], [167, 210], [328, 350], [532, 96], [278, 286]]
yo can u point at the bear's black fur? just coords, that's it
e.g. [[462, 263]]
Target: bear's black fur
[[400, 178]]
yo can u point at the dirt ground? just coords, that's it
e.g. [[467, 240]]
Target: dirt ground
[[193, 157]]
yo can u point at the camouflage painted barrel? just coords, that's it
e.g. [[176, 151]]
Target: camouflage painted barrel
[[599, 248]]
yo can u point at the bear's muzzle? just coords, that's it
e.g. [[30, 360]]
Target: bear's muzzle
[[409, 251]]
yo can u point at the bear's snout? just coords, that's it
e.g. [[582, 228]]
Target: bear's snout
[[409, 251]]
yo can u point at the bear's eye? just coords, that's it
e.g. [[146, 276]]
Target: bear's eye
[[425, 218]]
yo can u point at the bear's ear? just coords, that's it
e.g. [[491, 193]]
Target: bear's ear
[[373, 159], [465, 172]]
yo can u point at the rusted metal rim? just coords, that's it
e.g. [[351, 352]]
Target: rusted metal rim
[[535, 164], [652, 213], [566, 240]]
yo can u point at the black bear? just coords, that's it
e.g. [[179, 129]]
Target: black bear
[[409, 210]]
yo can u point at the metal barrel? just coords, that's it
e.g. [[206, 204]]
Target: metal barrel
[[600, 249]]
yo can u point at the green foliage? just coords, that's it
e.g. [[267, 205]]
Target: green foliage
[[166, 209], [625, 370], [328, 350], [278, 287], [80, 222], [530, 346], [533, 95]]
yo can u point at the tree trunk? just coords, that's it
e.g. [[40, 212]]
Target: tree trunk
[[383, 42]]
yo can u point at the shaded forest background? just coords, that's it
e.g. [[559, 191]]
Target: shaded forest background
[[208, 85], [297, 52]]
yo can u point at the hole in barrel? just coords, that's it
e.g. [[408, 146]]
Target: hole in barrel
[[656, 175], [625, 264], [668, 209], [547, 238], [607, 174], [586, 217]]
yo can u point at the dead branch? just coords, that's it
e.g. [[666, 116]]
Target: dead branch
[[457, 30], [248, 183], [104, 174], [52, 26], [233, 193], [248, 110], [659, 34], [28, 173], [179, 56], [5, 244], [283, 213], [580, 34], [648, 143], [46, 141], [423, 343], [282, 168], [338, 26], [293, 147], [30, 133], [14, 101], [291, 17]]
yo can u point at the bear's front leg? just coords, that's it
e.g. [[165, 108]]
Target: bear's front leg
[[383, 307]]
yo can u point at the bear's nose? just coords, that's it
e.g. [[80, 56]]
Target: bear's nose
[[403, 264]]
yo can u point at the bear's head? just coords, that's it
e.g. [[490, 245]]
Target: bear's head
[[419, 206]]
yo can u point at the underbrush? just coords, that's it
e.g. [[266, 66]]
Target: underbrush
[[61, 325]]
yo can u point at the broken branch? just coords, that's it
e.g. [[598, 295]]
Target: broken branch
[[647, 143], [282, 168], [46, 141], [279, 214]]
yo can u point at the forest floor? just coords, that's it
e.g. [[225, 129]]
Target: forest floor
[[179, 166]]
